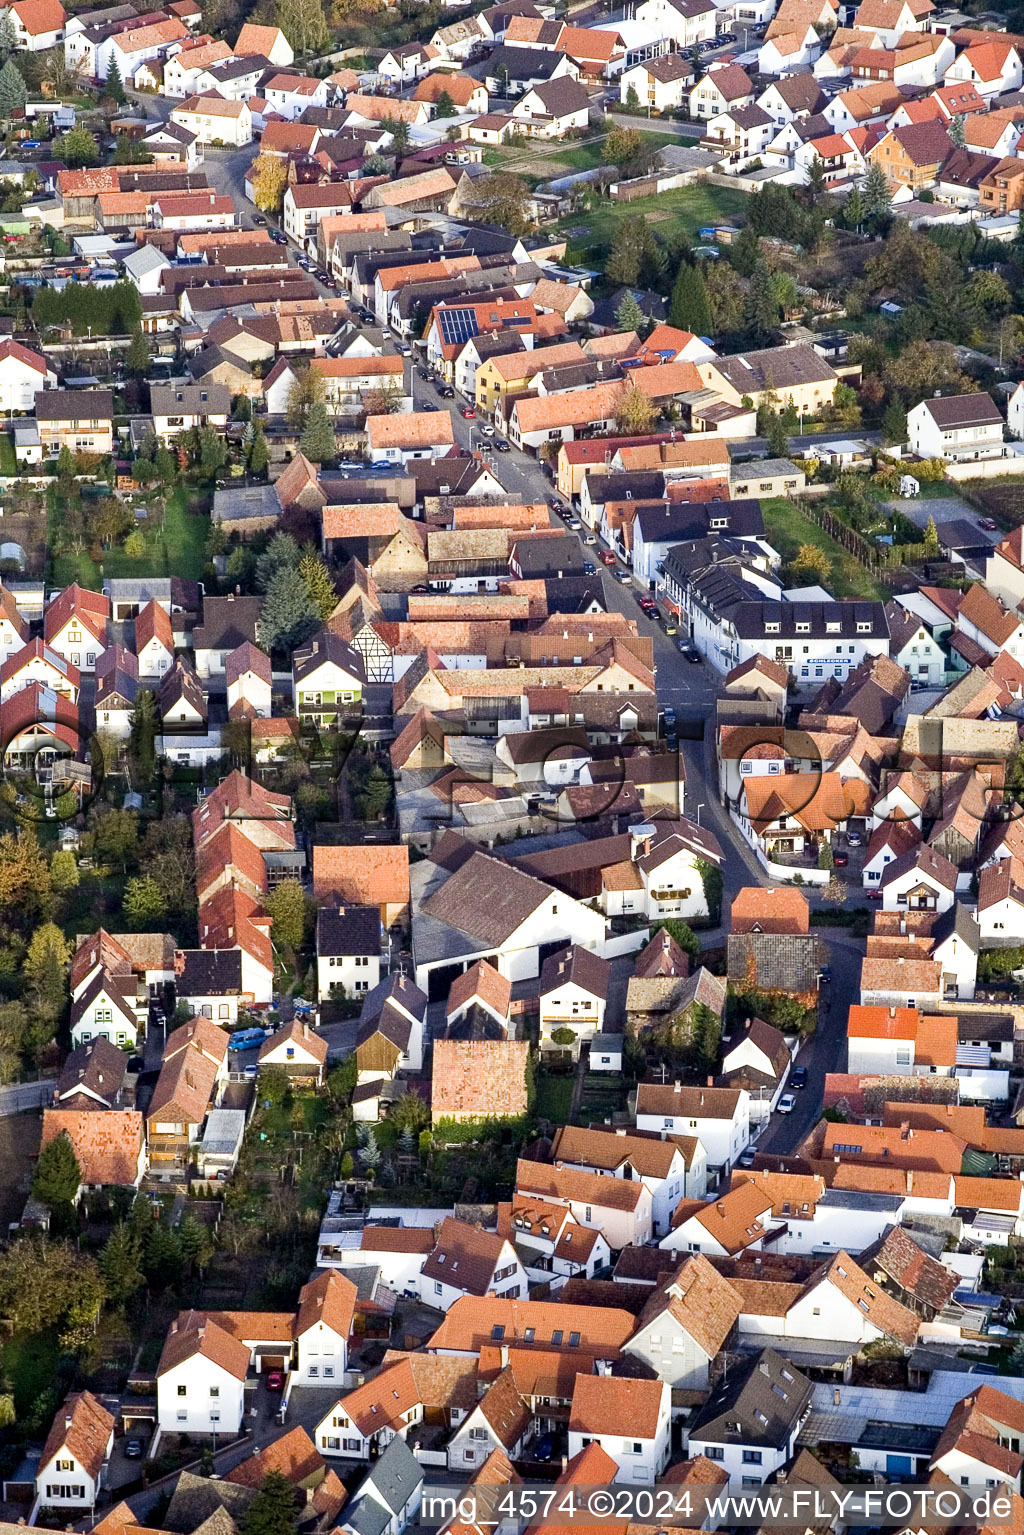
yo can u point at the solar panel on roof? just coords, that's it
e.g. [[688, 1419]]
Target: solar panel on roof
[[457, 325]]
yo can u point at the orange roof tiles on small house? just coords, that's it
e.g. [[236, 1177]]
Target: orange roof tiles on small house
[[606, 1404], [362, 875], [108, 1144], [83, 1428], [778, 910], [410, 429], [193, 1334]]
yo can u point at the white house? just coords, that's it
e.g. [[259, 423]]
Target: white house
[[718, 1116], [956, 427], [348, 944], [573, 995], [660, 83], [249, 681], [23, 375], [255, 41], [38, 24], [468, 1261], [107, 1008], [214, 120], [992, 67], [73, 1463], [749, 1424], [841, 1303], [685, 1324], [629, 1419], [389, 1496], [323, 1326], [683, 22], [1001, 904], [672, 1169], [922, 880], [290, 95], [200, 1378], [725, 1227], [620, 1208]]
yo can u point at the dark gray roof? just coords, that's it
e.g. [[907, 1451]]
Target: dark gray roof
[[396, 1475], [181, 684], [958, 410], [208, 972], [196, 1498], [348, 930], [75, 405], [119, 989], [190, 399], [958, 919], [237, 69], [760, 1405], [523, 63], [548, 556], [801, 93], [675, 519], [98, 1067], [640, 485], [779, 367], [227, 622], [325, 645], [393, 988], [562, 96], [575, 966], [671, 66], [752, 619]]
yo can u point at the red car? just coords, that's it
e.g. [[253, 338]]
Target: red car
[[275, 1380], [607, 557], [469, 411], [873, 895]]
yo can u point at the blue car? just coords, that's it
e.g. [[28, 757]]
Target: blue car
[[382, 466]]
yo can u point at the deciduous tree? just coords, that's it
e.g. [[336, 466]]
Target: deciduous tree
[[306, 389], [636, 412], [304, 24], [269, 182], [286, 903], [46, 965], [812, 565], [504, 199], [77, 148]]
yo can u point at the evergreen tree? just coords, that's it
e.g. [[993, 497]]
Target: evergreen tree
[[399, 132], [13, 91], [57, 1177], [629, 315], [213, 453], [317, 441], [259, 453], [816, 186], [746, 251], [632, 99], [272, 1510], [114, 85], [318, 579], [445, 105], [121, 1263], [142, 737], [288, 615], [139, 355], [761, 311], [894, 424], [282, 553], [144, 904], [931, 538], [8, 35], [876, 194], [853, 210], [370, 1152], [46, 965], [957, 131], [778, 438], [689, 308]]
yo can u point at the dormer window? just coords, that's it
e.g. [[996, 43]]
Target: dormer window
[[833, 627], [803, 628], [863, 626], [773, 628]]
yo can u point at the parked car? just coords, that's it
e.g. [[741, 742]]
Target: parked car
[[590, 538], [469, 411], [855, 839], [747, 1158], [446, 391], [133, 1449], [275, 1380], [501, 446], [873, 895], [840, 860], [690, 653], [787, 1103], [669, 714], [589, 568], [574, 523], [623, 576], [487, 430], [429, 405], [607, 557], [826, 974], [545, 1447], [988, 524], [798, 1076]]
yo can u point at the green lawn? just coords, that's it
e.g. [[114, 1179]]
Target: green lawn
[[8, 462], [30, 1365], [177, 548], [787, 527], [554, 1097], [588, 156], [683, 211]]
